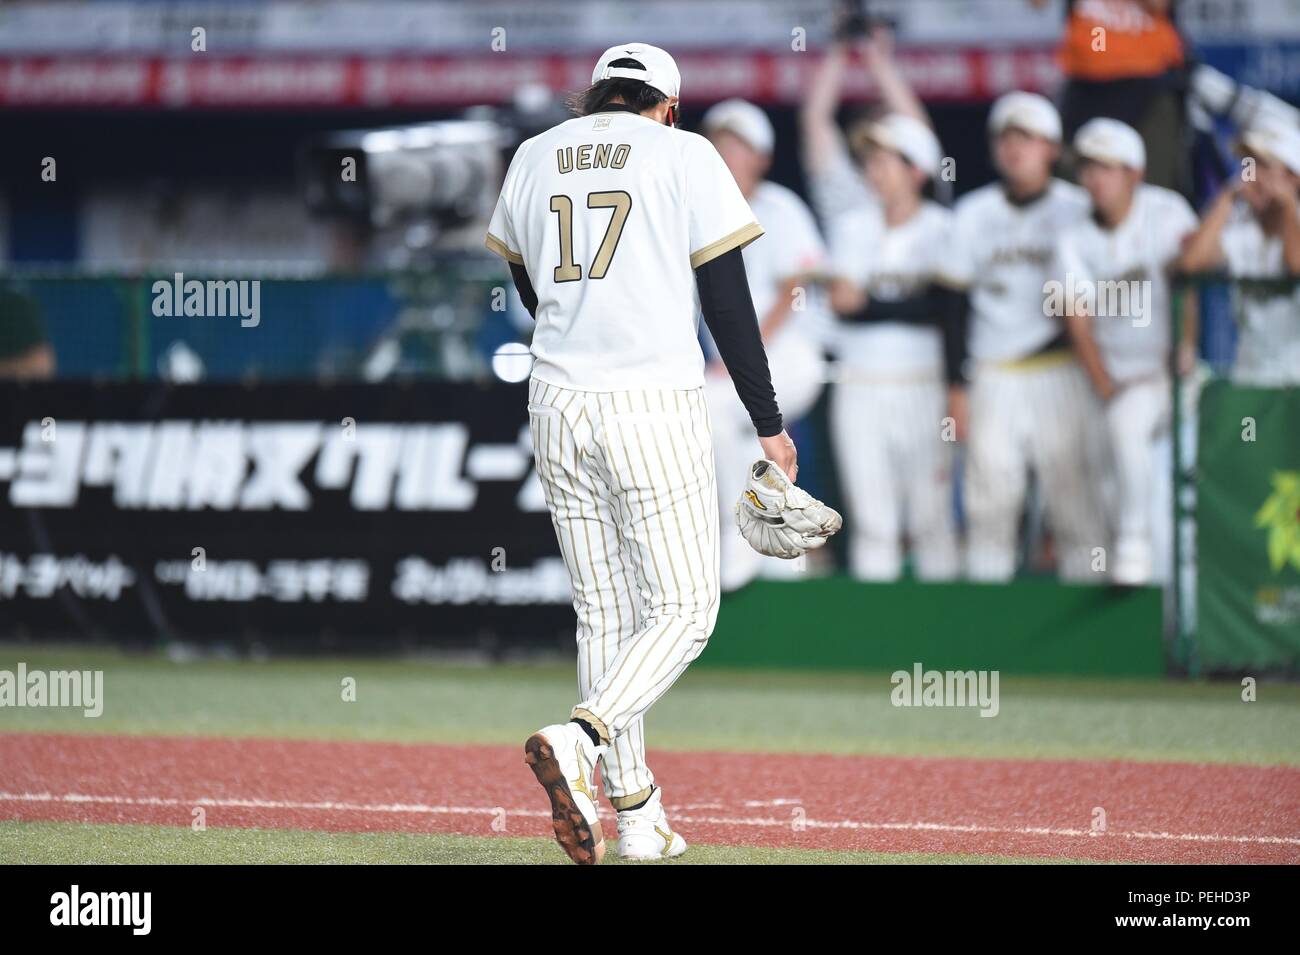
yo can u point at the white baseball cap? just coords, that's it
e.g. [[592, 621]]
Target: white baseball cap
[[658, 68], [1028, 112], [1110, 141], [1277, 139], [745, 120], [910, 138]]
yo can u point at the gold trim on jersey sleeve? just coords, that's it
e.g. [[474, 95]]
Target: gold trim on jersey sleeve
[[498, 247], [737, 240]]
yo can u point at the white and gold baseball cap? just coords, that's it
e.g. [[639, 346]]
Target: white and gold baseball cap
[[1110, 141], [909, 137], [659, 70], [1276, 139], [745, 120], [1028, 112]]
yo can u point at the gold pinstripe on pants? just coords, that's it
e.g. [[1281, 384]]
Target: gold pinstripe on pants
[[628, 479]]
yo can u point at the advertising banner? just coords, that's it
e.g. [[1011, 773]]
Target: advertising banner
[[1248, 529], [351, 515]]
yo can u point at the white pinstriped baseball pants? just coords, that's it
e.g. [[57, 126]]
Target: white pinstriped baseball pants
[[1136, 419], [628, 478], [896, 471], [1044, 417]]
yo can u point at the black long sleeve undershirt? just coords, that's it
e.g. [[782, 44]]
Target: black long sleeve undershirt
[[954, 309], [524, 287], [729, 313], [922, 309], [937, 305]]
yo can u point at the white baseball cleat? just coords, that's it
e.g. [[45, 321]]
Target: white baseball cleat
[[563, 759], [644, 834]]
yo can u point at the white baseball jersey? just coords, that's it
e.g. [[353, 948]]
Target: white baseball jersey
[[1268, 343], [610, 214], [1128, 267], [1004, 254], [886, 410], [890, 263], [791, 247], [1036, 416]]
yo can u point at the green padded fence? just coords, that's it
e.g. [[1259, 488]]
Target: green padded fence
[[1026, 626]]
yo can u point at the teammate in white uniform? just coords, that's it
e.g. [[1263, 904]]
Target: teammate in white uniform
[[781, 271], [1259, 238], [1114, 269], [891, 392], [836, 183], [619, 230], [1031, 409], [894, 358]]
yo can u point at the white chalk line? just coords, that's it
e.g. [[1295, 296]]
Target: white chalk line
[[771, 823]]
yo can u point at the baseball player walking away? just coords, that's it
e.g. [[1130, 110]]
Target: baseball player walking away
[[899, 342], [613, 222], [781, 271], [1114, 268], [1031, 409], [1253, 228]]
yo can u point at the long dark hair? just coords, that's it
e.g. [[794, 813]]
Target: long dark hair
[[599, 95]]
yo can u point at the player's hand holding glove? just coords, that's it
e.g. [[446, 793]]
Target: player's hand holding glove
[[779, 519]]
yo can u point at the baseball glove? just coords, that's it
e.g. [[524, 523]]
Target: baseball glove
[[779, 519]]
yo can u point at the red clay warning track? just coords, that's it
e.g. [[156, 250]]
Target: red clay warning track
[[1154, 812]]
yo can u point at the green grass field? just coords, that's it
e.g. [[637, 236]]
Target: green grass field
[[423, 701], [65, 843], [441, 702]]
